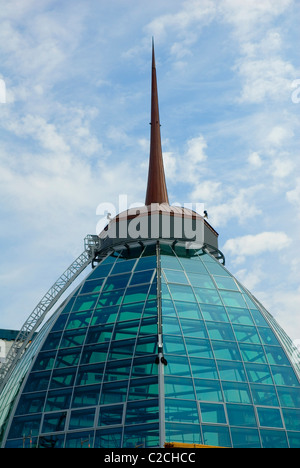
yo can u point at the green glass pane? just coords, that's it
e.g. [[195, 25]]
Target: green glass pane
[[284, 376], [204, 368], [117, 370], [193, 266], [45, 361], [86, 302], [201, 281], [212, 413], [121, 349], [226, 282], [110, 415], [267, 336], [86, 396], [216, 436], [240, 316], [142, 412], [214, 313], [124, 266], [141, 436], [79, 320], [188, 310], [82, 419], [193, 328], [81, 440], [253, 353], [88, 375], [179, 387], [174, 345], [227, 351], [32, 403], [72, 338], [104, 315], [25, 426], [292, 419], [110, 438], [259, 373], [136, 294], [233, 299], [273, 439], [141, 277], [208, 390], [220, 331], [170, 262], [181, 411], [236, 392], [184, 433], [54, 422], [141, 389], [63, 378], [173, 276], [216, 269], [207, 296], [171, 326], [289, 397], [94, 353], [177, 365], [144, 366], [264, 395], [114, 392], [182, 293], [67, 358], [246, 334], [92, 286], [126, 330], [245, 438], [269, 417], [116, 282], [233, 371], [101, 271], [58, 400], [146, 345], [199, 348], [241, 415], [99, 334], [146, 263], [111, 298]]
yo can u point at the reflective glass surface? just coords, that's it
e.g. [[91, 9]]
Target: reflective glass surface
[[158, 344]]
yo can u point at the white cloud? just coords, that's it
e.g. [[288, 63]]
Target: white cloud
[[253, 245], [255, 160], [293, 196]]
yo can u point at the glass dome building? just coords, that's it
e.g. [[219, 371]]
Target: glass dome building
[[158, 344]]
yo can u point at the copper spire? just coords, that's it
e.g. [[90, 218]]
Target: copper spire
[[157, 188]]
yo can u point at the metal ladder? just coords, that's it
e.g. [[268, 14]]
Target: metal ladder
[[37, 316]]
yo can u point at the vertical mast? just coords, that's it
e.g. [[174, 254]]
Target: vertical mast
[[157, 188]]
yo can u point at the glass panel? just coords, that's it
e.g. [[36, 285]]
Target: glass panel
[[276, 355], [116, 282], [193, 265], [204, 368], [170, 262], [66, 358], [101, 271], [289, 397], [212, 413], [267, 336], [182, 293], [105, 315], [273, 439], [269, 417], [114, 392], [92, 286], [233, 299], [188, 310], [85, 302], [45, 361], [94, 353], [100, 334], [199, 348], [216, 436], [111, 298], [86, 396], [109, 438], [126, 330], [121, 349], [171, 326], [228, 351], [193, 328], [177, 365], [136, 294], [182, 411], [88, 375], [264, 395], [146, 263], [207, 296], [245, 438], [110, 415], [141, 389], [142, 412], [123, 266], [54, 422], [33, 403], [58, 400], [117, 370], [63, 378], [142, 277], [179, 387], [214, 313], [284, 376], [208, 390], [236, 392], [79, 320], [220, 331], [146, 345], [201, 281], [25, 426], [174, 345], [141, 436], [253, 353], [241, 415], [37, 381], [231, 371], [175, 276], [292, 419], [226, 282], [72, 338], [259, 373], [240, 316], [185, 433], [144, 366], [246, 334], [82, 440]]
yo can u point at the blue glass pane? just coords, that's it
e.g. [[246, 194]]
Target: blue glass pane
[[208, 390], [184, 433], [236, 392], [182, 293], [231, 371], [216, 436], [245, 438], [181, 411], [289, 397], [269, 417], [292, 419], [110, 415], [199, 348], [108, 438], [142, 412], [273, 439], [212, 413], [228, 351], [264, 395], [241, 415], [179, 387]]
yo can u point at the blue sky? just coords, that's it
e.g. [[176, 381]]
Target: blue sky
[[74, 133]]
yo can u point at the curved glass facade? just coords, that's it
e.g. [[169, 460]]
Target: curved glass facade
[[159, 344]]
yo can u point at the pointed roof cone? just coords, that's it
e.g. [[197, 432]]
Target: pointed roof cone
[[157, 188]]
